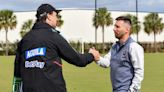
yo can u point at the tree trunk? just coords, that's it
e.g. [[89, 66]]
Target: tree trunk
[[137, 35], [95, 38], [95, 35], [103, 45], [155, 45], [6, 43]]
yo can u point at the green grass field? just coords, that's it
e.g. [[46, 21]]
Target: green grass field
[[93, 78]]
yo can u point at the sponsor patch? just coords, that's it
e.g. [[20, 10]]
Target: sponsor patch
[[35, 52], [33, 64]]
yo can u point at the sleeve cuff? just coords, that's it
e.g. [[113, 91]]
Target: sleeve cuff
[[99, 62]]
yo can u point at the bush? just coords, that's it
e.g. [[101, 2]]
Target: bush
[[148, 47]]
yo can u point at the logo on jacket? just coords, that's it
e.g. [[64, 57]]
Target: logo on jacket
[[35, 52], [33, 64]]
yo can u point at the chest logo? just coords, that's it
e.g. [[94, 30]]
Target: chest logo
[[35, 52]]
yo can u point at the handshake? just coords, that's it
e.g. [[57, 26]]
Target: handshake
[[95, 53]]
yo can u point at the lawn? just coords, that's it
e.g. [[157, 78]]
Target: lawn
[[93, 78]]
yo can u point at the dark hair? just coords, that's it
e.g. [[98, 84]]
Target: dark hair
[[125, 19]]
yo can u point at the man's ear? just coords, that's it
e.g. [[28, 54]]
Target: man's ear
[[48, 16], [128, 28]]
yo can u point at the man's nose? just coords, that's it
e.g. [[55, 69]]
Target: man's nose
[[114, 29]]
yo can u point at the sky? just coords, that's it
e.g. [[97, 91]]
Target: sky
[[120, 5]]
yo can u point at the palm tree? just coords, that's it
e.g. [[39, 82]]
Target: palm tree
[[7, 22], [153, 24], [135, 24], [95, 24], [101, 19], [26, 27]]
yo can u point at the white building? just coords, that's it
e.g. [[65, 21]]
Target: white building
[[78, 26]]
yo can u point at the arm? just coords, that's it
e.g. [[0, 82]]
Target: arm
[[17, 81], [70, 55], [137, 58], [105, 61]]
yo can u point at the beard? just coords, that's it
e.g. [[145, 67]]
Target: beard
[[120, 35]]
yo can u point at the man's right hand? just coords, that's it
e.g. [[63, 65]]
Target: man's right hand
[[95, 53]]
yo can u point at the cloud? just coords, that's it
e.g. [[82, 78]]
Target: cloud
[[151, 2], [151, 6], [128, 5]]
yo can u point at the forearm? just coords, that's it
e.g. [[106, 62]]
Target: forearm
[[104, 61], [78, 59], [17, 80], [137, 79], [84, 59]]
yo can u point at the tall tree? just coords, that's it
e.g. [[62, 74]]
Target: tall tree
[[102, 19], [95, 24], [7, 22], [153, 24], [136, 27], [26, 27]]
